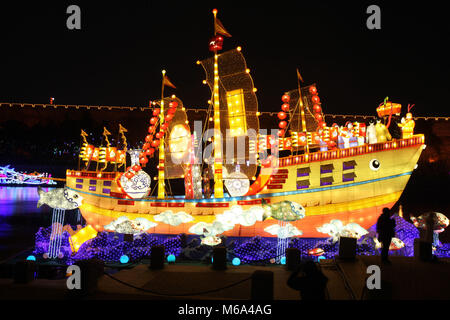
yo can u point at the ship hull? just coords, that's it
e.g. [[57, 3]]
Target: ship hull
[[342, 186]]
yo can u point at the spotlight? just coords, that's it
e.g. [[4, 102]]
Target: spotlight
[[157, 256], [219, 260], [292, 258], [24, 271], [171, 258], [124, 259], [262, 285]]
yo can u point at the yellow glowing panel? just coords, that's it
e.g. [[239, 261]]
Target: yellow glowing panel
[[236, 112], [81, 237]]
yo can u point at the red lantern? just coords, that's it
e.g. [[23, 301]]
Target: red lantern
[[164, 126], [149, 152], [151, 129], [156, 112], [319, 117], [172, 110], [282, 124], [215, 43], [169, 117], [160, 134], [148, 138], [143, 160], [129, 175], [317, 108], [155, 143], [173, 104], [146, 146], [285, 98], [153, 120], [322, 124], [281, 115], [136, 168], [331, 144], [281, 133], [285, 107], [315, 99], [313, 90]]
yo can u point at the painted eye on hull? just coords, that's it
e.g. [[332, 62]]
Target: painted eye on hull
[[374, 164]]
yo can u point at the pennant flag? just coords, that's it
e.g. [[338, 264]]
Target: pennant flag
[[122, 129], [299, 76], [106, 132], [166, 82], [221, 29]]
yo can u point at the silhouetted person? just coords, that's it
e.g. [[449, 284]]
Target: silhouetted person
[[386, 231], [312, 284]]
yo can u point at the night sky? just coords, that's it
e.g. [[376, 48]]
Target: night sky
[[117, 56]]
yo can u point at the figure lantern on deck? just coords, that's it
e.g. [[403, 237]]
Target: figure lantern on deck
[[407, 124]]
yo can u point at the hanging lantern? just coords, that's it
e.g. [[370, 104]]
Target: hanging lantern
[[155, 143], [169, 117], [282, 115], [282, 124], [164, 126], [171, 111], [129, 174], [315, 99], [285, 98], [322, 124], [216, 43], [317, 108], [160, 134], [285, 107], [313, 90], [151, 129], [146, 146], [148, 138], [143, 161], [153, 120], [319, 117], [173, 104], [156, 112], [136, 167], [281, 133]]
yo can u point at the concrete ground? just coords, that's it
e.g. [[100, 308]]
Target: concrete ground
[[405, 278]]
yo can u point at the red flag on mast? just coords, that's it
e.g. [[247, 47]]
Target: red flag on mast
[[166, 82], [221, 29]]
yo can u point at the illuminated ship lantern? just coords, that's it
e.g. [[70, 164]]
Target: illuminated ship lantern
[[231, 191]]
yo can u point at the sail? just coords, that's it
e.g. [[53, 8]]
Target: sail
[[295, 113], [238, 110], [177, 141]]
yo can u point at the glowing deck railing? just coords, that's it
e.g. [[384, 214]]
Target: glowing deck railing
[[353, 151]]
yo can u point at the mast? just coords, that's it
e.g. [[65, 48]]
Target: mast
[[302, 110], [218, 181], [161, 190]]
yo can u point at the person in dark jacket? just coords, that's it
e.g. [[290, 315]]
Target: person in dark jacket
[[312, 284], [386, 231]]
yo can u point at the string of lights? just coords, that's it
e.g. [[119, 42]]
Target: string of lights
[[196, 110]]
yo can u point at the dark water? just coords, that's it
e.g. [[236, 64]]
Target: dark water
[[20, 219]]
